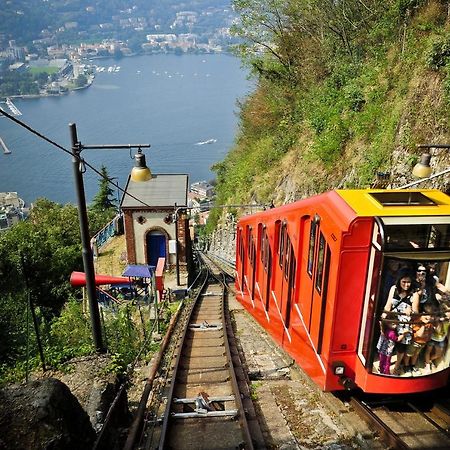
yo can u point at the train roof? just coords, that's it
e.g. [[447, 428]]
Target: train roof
[[396, 202], [347, 204]]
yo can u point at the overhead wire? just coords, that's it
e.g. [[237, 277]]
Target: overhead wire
[[60, 147]]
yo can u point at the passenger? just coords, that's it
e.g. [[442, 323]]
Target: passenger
[[422, 332], [386, 342], [404, 301], [436, 346], [426, 288], [389, 277], [432, 271]]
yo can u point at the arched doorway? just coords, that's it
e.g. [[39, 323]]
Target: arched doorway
[[156, 246]]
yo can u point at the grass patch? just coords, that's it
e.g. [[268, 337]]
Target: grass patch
[[47, 69]]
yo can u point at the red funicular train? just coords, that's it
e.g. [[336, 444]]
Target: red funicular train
[[316, 275]]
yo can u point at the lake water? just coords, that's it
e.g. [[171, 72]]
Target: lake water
[[171, 102]]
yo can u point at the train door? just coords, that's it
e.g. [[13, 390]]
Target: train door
[[315, 283], [241, 259], [251, 257], [288, 266], [266, 268], [368, 315]]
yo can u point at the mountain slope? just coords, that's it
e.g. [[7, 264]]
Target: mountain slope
[[332, 112]]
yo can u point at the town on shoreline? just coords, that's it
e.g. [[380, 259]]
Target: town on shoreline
[[77, 69], [51, 66]]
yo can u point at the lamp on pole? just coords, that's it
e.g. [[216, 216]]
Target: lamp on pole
[[88, 261], [423, 169]]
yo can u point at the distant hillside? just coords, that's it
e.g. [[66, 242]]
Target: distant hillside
[[344, 90], [27, 20]]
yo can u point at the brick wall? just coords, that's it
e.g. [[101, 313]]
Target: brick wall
[[129, 237]]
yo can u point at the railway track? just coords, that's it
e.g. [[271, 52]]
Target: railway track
[[408, 423], [201, 399]]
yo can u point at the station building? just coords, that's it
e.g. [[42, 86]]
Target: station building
[[155, 220]]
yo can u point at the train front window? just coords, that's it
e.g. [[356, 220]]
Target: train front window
[[417, 236], [411, 320]]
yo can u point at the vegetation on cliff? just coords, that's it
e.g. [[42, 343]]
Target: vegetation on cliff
[[37, 257], [344, 90]]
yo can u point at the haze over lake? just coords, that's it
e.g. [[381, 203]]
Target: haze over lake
[[175, 103]]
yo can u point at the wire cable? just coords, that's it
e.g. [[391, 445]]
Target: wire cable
[[60, 147]]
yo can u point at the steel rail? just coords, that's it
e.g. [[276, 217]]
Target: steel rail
[[242, 417], [238, 412], [137, 425], [429, 419], [387, 434], [165, 371], [165, 424]]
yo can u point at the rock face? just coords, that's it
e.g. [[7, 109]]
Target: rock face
[[95, 387], [43, 414]]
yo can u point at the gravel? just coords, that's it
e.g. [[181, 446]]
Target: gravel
[[293, 412]]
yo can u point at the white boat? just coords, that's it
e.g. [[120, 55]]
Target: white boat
[[13, 107], [6, 150], [209, 141]]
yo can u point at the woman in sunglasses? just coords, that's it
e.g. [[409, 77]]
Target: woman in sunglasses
[[403, 301], [427, 287]]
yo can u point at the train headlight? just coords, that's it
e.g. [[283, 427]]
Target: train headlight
[[338, 368]]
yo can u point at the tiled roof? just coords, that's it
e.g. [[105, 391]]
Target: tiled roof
[[160, 190]]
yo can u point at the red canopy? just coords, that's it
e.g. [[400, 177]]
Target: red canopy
[[78, 279]]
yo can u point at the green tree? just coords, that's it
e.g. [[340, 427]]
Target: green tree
[[44, 249], [103, 200], [81, 80]]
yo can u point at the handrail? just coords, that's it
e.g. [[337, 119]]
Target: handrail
[[106, 233]]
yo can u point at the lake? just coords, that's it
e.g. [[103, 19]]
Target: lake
[[175, 103]]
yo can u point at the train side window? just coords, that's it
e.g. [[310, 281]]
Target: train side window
[[312, 243], [291, 271], [261, 236], [264, 247], [288, 255], [282, 244], [249, 241], [320, 261], [326, 273], [277, 236], [238, 242], [253, 253]]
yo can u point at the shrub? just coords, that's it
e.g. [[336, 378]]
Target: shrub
[[439, 53]]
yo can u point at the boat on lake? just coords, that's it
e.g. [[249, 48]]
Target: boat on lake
[[209, 141], [6, 150]]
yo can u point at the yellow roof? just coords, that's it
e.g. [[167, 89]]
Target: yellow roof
[[397, 202]]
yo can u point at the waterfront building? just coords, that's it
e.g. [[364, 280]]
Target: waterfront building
[[12, 209]]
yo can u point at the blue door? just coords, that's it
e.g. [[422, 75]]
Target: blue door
[[156, 247]]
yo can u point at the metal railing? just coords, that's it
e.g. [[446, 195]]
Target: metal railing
[[110, 230]]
